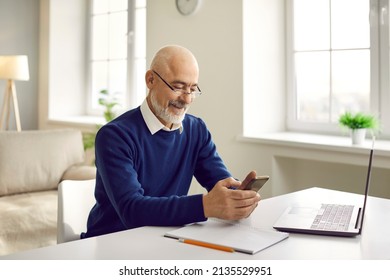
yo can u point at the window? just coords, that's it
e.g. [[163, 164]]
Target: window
[[337, 61], [117, 52]]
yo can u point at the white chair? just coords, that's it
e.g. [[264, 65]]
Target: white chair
[[75, 200]]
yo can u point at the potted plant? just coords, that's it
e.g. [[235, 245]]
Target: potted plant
[[358, 124], [108, 102]]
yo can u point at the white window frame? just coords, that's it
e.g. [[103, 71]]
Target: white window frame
[[380, 14], [379, 97], [135, 90]]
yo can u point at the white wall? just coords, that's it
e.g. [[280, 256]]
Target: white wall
[[68, 48], [19, 35], [63, 48], [264, 66]]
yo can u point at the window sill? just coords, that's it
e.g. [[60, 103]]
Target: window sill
[[323, 148], [87, 122]]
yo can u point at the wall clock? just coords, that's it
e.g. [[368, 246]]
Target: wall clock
[[187, 7]]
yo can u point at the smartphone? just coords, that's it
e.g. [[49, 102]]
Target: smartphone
[[257, 183]]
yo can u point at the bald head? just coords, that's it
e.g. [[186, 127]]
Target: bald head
[[175, 60]]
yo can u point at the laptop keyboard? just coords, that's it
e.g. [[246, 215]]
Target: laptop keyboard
[[333, 217]]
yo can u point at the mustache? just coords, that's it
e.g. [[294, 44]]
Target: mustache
[[178, 104]]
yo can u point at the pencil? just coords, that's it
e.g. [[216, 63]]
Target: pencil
[[207, 245]]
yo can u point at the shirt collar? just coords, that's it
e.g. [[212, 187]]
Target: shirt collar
[[153, 123]]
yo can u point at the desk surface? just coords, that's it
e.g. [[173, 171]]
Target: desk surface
[[149, 243]]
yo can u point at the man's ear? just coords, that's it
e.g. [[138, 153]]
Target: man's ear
[[149, 78]]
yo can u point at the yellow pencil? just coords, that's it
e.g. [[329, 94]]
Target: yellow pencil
[[207, 245]]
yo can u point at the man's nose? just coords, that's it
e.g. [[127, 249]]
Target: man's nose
[[187, 98]]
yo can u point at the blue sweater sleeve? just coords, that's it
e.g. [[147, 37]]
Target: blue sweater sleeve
[[209, 167]]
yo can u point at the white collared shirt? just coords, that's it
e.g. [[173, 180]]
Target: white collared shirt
[[153, 123]]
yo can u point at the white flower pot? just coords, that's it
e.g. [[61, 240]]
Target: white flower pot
[[358, 136]]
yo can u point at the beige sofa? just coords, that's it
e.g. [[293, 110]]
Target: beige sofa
[[32, 164]]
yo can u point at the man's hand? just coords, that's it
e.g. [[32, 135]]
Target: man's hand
[[251, 175], [224, 203]]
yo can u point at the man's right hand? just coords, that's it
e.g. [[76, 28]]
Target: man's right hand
[[224, 203]]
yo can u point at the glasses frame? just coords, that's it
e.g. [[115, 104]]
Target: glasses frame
[[181, 91]]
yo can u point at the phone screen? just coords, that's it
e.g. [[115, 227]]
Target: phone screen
[[257, 183]]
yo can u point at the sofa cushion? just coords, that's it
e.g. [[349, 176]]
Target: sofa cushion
[[28, 221], [36, 160]]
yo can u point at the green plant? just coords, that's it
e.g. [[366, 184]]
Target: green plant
[[358, 120], [108, 101], [88, 140]]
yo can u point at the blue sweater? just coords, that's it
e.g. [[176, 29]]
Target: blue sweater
[[143, 179]]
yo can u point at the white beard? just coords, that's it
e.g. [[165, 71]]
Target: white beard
[[164, 113]]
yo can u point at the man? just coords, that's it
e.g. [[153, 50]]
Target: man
[[146, 158]]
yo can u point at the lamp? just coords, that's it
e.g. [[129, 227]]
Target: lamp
[[12, 68]]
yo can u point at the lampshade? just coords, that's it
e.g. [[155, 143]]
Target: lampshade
[[14, 67]]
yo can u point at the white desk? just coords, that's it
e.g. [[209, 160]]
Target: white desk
[[149, 243]]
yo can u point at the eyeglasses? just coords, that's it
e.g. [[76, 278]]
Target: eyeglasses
[[193, 93]]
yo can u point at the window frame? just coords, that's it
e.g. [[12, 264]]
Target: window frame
[[131, 95], [379, 87]]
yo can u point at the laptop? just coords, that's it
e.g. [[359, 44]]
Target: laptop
[[326, 219]]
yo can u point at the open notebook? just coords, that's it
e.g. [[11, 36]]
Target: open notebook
[[239, 237]]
